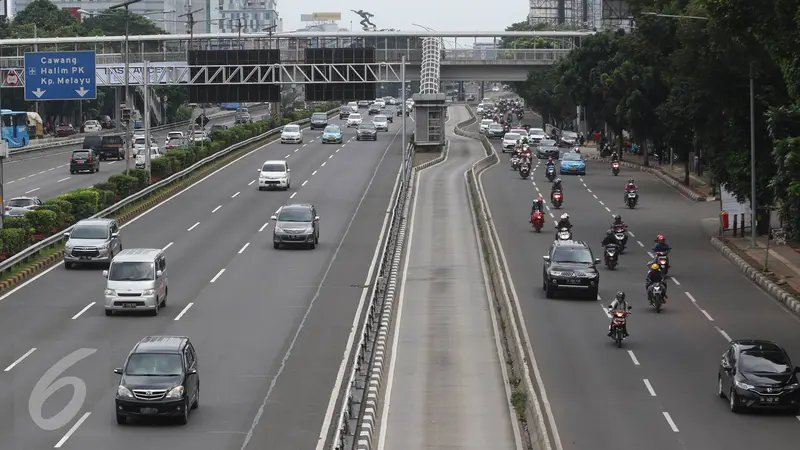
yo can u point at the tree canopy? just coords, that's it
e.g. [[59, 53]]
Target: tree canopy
[[683, 83]]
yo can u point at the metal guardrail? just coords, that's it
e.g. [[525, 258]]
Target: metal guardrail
[[34, 249], [32, 147]]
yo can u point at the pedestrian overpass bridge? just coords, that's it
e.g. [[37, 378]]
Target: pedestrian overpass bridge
[[466, 56]]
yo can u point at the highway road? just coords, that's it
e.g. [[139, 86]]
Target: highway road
[[445, 385], [270, 326], [659, 390], [46, 174]]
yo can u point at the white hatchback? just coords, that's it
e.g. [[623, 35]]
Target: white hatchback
[[292, 134], [92, 126], [354, 120], [510, 141]]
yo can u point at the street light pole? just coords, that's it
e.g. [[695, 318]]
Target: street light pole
[[126, 74], [752, 156], [402, 110]]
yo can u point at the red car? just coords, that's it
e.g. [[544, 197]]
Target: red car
[[65, 130]]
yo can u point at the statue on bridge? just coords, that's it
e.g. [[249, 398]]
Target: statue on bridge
[[366, 24]]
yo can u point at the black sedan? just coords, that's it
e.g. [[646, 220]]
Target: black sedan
[[758, 374], [367, 132], [546, 149], [374, 109], [570, 266]]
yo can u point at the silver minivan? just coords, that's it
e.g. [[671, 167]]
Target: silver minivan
[[92, 241], [137, 281]]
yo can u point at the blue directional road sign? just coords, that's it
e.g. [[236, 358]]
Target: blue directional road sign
[[60, 76]]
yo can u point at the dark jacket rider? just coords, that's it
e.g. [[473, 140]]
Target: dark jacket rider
[[556, 186], [654, 275], [538, 205], [563, 222], [614, 156], [619, 304], [609, 239], [661, 245]]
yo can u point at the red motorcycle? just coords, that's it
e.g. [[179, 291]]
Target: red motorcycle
[[557, 199], [537, 221], [663, 260], [615, 168], [618, 320]]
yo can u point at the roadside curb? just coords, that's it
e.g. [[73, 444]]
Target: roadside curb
[[687, 191], [756, 277], [438, 160], [31, 270]]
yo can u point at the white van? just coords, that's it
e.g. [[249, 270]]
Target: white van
[[353, 106], [274, 174], [136, 281]]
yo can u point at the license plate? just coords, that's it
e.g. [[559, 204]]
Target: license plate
[[573, 168], [129, 305], [574, 281], [80, 162], [85, 258], [149, 410], [770, 400]]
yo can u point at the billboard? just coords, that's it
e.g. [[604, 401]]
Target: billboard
[[4, 8], [319, 16]]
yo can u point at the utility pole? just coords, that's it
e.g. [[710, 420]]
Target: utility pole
[[273, 107], [126, 74], [239, 25], [146, 80], [3, 151], [190, 22]]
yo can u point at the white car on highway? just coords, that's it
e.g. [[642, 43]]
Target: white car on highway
[[92, 126], [536, 134], [199, 137], [274, 174], [479, 110], [292, 134], [141, 156], [485, 125], [381, 123], [380, 102], [173, 135], [510, 141], [354, 120]]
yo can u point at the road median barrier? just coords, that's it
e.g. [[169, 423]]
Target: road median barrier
[[27, 242], [525, 396]]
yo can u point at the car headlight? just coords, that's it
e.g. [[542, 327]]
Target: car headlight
[[278, 229], [556, 273], [103, 247], [591, 275], [741, 385], [148, 292], [176, 392], [124, 392], [792, 386], [111, 293]]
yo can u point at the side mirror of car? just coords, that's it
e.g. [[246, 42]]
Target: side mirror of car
[[273, 218], [118, 371], [316, 218], [66, 235], [546, 257], [105, 274]]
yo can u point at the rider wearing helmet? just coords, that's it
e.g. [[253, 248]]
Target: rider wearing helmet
[[614, 156], [563, 222], [654, 275], [550, 163], [630, 186], [619, 304], [538, 205], [661, 244], [556, 186], [609, 239], [617, 224]]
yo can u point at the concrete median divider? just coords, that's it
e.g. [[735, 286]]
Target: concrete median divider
[[30, 261], [526, 392]]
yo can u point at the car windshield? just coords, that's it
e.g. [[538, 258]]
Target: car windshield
[[332, 129], [379, 119], [154, 365], [143, 151], [537, 131], [295, 215], [495, 127], [522, 133], [20, 202], [764, 361], [131, 271], [547, 143], [139, 141], [89, 232], [199, 134], [573, 255], [386, 112], [291, 129], [511, 137], [319, 116], [175, 134], [92, 122], [571, 157], [366, 126], [355, 116], [273, 168], [80, 155], [569, 134]]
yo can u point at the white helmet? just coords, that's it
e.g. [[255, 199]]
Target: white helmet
[[564, 216]]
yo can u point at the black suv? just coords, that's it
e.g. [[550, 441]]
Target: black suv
[[570, 265], [374, 109], [344, 112], [367, 131], [159, 379], [84, 161], [296, 224], [319, 120]]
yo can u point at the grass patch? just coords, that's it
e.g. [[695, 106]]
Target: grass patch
[[19, 268], [759, 267], [519, 400]]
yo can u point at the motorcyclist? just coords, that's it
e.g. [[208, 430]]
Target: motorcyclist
[[609, 239], [630, 186], [563, 222], [550, 163], [538, 205], [654, 275], [614, 156], [661, 245], [619, 304], [618, 223], [556, 186]]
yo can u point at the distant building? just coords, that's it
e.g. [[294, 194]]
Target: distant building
[[247, 16], [169, 22]]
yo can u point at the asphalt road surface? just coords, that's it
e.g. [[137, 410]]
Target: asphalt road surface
[[659, 391], [446, 387], [270, 326], [46, 174]]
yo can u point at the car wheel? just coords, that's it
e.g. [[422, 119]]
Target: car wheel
[[549, 292], [312, 246], [164, 300], [72, 172], [196, 403], [155, 311], [121, 420], [593, 293], [735, 408], [67, 265], [720, 391], [109, 313], [275, 245], [184, 418]]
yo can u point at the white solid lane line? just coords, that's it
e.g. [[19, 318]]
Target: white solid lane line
[[183, 311], [670, 421], [19, 360], [85, 308], [244, 248], [193, 226], [219, 274], [72, 430], [649, 387], [167, 246], [633, 358]]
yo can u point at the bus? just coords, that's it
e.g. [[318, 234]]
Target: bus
[[231, 106], [15, 128]]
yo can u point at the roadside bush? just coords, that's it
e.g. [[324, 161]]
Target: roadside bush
[[125, 184], [142, 177], [84, 202], [42, 221], [14, 240], [61, 207], [105, 198], [179, 159], [17, 222], [161, 167]]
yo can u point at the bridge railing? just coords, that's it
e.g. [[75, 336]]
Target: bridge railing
[[413, 56]]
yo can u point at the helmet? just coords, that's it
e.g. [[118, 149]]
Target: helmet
[[565, 216], [620, 296], [557, 181], [617, 218], [609, 232], [630, 180], [660, 238], [655, 267], [539, 199], [549, 159]]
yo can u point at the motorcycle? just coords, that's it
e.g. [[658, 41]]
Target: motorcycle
[[662, 259], [551, 173], [621, 237], [611, 256], [656, 295], [537, 221], [615, 168], [525, 171], [557, 199], [564, 234], [515, 161], [631, 199], [618, 320]]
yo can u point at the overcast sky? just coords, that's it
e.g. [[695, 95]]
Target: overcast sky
[[441, 15]]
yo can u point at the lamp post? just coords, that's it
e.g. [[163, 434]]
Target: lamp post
[[753, 242]]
